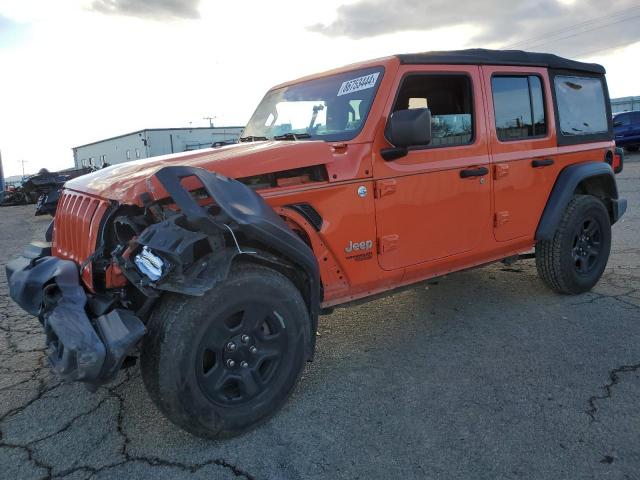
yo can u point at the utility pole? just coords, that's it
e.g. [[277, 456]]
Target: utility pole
[[23, 162], [211, 119]]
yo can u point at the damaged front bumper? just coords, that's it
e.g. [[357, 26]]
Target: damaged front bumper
[[81, 346]]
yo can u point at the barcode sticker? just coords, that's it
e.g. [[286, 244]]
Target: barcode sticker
[[360, 83]]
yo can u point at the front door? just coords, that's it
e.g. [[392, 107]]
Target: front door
[[435, 202]]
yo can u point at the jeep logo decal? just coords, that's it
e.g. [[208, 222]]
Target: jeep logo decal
[[364, 245]]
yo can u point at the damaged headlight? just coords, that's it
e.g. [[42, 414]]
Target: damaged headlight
[[149, 264]]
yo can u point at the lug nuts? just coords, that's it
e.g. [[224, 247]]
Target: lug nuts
[[245, 338], [244, 364], [231, 363], [253, 349], [231, 346]]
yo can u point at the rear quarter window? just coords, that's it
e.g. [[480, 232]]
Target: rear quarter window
[[581, 105]]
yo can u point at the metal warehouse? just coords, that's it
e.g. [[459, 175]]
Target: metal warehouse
[[625, 104], [151, 143]]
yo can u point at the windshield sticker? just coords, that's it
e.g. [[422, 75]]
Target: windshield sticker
[[360, 83]]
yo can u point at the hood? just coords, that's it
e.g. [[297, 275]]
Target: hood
[[125, 182]]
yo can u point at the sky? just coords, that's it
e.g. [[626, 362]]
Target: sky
[[77, 71]]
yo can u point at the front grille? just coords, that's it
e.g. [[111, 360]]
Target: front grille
[[76, 228]]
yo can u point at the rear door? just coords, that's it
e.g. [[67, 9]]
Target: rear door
[[435, 202], [521, 145]]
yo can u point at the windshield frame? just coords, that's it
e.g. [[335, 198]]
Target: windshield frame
[[344, 136]]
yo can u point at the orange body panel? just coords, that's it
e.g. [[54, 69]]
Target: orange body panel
[[433, 212], [77, 226], [385, 224]]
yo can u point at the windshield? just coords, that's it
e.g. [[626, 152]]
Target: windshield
[[331, 108]]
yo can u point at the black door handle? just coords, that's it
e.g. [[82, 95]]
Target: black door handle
[[542, 163], [474, 172]]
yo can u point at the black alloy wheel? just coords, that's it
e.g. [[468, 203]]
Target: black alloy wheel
[[587, 245]]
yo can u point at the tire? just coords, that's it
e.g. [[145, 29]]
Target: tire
[[574, 259], [198, 380], [633, 149]]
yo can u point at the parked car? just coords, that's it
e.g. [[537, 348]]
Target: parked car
[[626, 129], [347, 184]]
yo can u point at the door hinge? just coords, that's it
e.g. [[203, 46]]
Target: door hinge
[[385, 187], [501, 218], [388, 243], [500, 170]]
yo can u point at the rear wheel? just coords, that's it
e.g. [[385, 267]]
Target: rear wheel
[[573, 260], [220, 364]]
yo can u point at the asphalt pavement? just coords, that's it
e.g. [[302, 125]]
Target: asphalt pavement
[[483, 374]]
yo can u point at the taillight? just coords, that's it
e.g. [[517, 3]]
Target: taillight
[[617, 162]]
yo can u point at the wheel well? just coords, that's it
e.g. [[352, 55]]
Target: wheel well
[[602, 187], [297, 276], [300, 280]]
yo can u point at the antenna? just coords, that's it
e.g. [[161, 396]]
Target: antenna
[[211, 119]]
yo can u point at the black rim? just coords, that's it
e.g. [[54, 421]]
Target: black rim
[[587, 245], [239, 357]]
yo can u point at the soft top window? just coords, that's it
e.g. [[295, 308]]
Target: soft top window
[[581, 105]]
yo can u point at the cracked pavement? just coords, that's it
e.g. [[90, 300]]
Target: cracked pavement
[[482, 374]]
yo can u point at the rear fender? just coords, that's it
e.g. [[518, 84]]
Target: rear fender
[[593, 178]]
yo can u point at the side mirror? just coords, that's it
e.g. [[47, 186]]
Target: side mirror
[[617, 124], [407, 128]]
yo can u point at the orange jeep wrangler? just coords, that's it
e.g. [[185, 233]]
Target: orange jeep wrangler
[[214, 265]]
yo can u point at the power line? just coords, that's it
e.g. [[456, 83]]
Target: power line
[[586, 53], [535, 45], [569, 28]]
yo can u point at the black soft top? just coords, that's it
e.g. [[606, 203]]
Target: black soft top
[[481, 56]]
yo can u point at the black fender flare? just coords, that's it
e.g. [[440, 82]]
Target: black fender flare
[[253, 217], [564, 188]]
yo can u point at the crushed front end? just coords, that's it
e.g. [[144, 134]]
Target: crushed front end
[[89, 335], [94, 283]]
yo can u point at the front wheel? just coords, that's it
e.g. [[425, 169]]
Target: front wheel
[[220, 364], [574, 259]]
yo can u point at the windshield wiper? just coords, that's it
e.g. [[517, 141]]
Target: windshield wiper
[[292, 136], [252, 138]]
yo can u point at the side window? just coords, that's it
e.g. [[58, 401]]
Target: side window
[[450, 100], [620, 120], [518, 104], [581, 105]]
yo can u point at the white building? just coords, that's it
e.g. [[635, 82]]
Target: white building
[[151, 143], [625, 104]]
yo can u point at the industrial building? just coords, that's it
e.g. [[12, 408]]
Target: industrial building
[[625, 104], [151, 142]]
